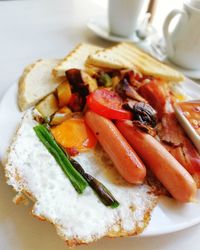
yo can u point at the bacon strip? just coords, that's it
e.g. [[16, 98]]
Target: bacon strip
[[170, 132]]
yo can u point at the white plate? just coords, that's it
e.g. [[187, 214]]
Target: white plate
[[168, 216]]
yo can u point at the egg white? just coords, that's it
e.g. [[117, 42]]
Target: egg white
[[31, 169]]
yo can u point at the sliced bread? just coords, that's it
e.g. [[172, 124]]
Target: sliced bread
[[36, 82], [126, 55], [76, 59]]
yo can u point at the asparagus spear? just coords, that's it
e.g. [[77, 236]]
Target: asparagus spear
[[101, 191], [74, 176]]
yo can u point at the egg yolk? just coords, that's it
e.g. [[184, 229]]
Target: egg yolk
[[74, 134]]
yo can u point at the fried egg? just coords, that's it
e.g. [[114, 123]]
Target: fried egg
[[78, 218]]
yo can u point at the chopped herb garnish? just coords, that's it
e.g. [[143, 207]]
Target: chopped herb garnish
[[105, 80]]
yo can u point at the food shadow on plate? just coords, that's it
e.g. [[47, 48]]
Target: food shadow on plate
[[107, 169], [177, 211]]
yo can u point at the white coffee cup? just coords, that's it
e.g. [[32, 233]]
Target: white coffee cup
[[183, 43], [124, 16]]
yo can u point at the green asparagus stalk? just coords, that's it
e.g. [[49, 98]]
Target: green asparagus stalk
[[74, 176], [101, 191]]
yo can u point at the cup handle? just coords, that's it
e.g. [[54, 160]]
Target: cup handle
[[171, 15]]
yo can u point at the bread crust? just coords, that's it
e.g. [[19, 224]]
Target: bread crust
[[22, 102]]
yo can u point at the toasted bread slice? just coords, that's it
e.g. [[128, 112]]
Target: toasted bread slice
[[79, 218], [36, 82], [76, 59], [126, 55]]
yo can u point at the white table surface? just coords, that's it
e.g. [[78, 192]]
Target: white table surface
[[30, 30]]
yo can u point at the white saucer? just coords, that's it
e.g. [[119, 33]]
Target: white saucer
[[194, 74], [100, 27]]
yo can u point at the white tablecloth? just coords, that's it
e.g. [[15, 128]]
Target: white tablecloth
[[30, 30]]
